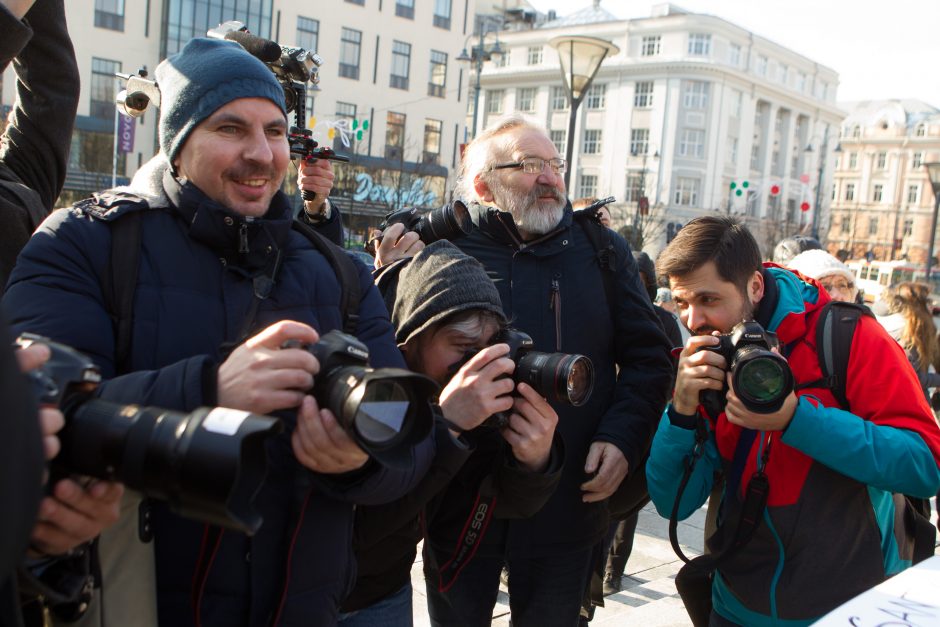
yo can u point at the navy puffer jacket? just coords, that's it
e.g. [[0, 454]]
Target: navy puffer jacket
[[193, 296]]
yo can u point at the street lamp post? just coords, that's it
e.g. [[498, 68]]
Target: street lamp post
[[580, 58], [819, 181], [933, 172], [477, 55]]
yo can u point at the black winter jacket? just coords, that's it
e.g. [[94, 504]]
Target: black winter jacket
[[552, 288], [194, 291]]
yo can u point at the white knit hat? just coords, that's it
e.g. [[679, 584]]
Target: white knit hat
[[818, 263]]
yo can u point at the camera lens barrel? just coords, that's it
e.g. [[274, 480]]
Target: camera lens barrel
[[208, 464], [448, 222], [557, 376], [761, 378]]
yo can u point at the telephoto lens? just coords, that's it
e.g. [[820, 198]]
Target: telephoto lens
[[448, 222], [207, 464], [385, 410]]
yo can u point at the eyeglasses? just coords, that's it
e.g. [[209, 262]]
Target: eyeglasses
[[841, 286], [534, 165]]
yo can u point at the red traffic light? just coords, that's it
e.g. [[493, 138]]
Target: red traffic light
[[804, 206]]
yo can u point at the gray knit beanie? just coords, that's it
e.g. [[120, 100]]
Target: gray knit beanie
[[440, 281], [205, 75]]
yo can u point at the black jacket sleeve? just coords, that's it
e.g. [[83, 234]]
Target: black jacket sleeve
[[521, 493], [643, 359], [34, 149]]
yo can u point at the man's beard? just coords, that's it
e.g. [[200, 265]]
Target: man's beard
[[529, 213]]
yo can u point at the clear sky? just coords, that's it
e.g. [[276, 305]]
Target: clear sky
[[880, 48]]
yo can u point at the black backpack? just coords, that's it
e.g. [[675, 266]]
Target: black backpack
[[835, 329]]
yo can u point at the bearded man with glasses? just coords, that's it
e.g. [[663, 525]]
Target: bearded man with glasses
[[552, 287]]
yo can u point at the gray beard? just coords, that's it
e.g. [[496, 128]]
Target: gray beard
[[529, 214]]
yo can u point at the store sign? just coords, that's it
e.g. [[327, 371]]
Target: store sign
[[415, 195]]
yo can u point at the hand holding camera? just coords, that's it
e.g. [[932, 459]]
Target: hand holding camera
[[321, 444], [530, 428], [698, 370], [316, 177], [394, 243], [480, 388], [449, 222]]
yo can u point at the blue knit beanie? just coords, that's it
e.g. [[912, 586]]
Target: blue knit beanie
[[205, 75]]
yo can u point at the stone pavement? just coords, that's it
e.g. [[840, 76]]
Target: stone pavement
[[649, 597]]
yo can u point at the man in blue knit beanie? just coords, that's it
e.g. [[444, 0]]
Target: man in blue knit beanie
[[223, 282]]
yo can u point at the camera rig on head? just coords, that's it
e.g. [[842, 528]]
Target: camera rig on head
[[294, 69]]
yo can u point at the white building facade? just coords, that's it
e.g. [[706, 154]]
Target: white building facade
[[882, 201], [389, 71], [690, 105]]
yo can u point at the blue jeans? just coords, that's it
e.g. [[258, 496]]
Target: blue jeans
[[394, 610], [543, 591]]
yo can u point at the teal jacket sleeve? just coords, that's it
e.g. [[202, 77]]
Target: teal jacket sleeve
[[882, 456], [672, 445]]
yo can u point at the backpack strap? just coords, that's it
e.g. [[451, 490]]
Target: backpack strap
[[835, 328], [345, 269], [122, 284], [599, 236]]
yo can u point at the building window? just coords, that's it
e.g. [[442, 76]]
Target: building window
[[918, 160], [432, 140], [308, 33], [359, 2], [801, 82], [639, 141], [344, 111], [686, 191], [733, 150], [102, 87], [437, 82], [783, 73], [559, 99], [350, 45], [761, 68], [850, 191], [908, 227], [442, 13], [737, 102], [405, 8], [856, 132], [494, 100], [823, 90], [394, 135], [846, 224], [734, 55], [596, 96], [921, 130], [643, 95], [853, 160], [877, 192], [913, 194], [692, 144], [695, 95], [650, 46], [634, 187], [525, 99], [109, 14], [401, 65], [558, 138], [873, 225], [588, 187], [882, 161], [592, 142], [535, 55], [700, 44]]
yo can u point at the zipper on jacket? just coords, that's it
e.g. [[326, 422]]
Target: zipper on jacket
[[243, 238], [554, 303]]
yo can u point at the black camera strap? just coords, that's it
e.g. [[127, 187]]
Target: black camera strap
[[751, 510]]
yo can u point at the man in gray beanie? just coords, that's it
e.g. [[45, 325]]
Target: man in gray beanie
[[447, 315], [220, 281]]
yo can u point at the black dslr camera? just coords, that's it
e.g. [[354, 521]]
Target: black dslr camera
[[208, 464], [761, 378], [561, 377], [385, 410], [449, 222]]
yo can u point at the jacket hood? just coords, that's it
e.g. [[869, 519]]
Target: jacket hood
[[788, 299]]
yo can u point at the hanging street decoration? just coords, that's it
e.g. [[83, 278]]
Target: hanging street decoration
[[347, 129]]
